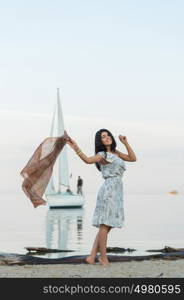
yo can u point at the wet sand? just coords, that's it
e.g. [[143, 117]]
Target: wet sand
[[133, 269]]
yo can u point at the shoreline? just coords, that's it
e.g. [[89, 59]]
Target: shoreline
[[133, 269]]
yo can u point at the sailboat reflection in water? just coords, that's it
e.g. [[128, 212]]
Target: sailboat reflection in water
[[64, 229]]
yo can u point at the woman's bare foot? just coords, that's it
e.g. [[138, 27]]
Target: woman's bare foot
[[103, 261], [90, 260]]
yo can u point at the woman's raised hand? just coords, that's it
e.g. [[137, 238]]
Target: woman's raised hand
[[66, 136], [123, 139], [72, 143]]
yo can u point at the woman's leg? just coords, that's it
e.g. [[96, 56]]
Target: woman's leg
[[102, 239], [91, 258], [95, 249]]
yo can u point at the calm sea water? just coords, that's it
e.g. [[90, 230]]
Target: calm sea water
[[151, 222]]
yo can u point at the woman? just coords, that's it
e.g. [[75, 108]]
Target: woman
[[109, 206]]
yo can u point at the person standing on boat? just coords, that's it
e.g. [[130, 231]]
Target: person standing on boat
[[79, 185], [109, 210]]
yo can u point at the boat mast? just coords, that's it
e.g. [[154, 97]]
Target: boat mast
[[60, 118], [51, 187], [63, 162]]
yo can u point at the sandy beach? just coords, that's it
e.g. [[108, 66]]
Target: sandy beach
[[133, 269]]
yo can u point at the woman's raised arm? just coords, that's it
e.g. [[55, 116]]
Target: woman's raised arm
[[88, 160], [131, 155]]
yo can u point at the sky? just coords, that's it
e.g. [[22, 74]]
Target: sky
[[118, 65]]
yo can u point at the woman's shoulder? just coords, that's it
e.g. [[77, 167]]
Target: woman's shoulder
[[101, 153], [108, 156]]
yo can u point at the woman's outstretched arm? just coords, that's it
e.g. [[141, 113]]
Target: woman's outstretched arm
[[85, 158]]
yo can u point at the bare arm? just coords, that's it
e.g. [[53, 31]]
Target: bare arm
[[127, 157], [91, 159], [88, 160]]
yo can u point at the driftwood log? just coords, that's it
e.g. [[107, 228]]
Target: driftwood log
[[40, 251], [166, 249], [18, 259]]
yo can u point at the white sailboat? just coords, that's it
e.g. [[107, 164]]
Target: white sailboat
[[56, 197]]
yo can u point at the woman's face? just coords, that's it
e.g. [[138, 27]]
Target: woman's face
[[106, 139]]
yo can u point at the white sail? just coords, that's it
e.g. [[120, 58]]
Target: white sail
[[57, 129], [63, 161], [51, 187]]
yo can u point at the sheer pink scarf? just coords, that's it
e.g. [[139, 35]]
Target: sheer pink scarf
[[38, 170]]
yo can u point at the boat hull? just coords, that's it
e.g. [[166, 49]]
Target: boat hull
[[65, 201]]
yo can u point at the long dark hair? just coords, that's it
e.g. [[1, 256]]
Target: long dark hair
[[100, 147]]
